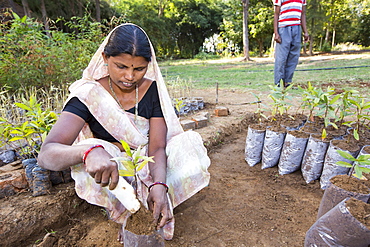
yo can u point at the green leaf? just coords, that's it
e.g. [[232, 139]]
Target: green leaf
[[126, 173], [354, 103], [364, 162], [136, 155], [141, 165], [334, 125], [128, 165], [16, 132], [346, 155], [126, 147], [334, 99], [358, 172], [366, 107], [363, 157], [323, 134], [24, 18], [23, 106], [43, 136], [344, 164], [355, 134], [365, 169], [16, 138]]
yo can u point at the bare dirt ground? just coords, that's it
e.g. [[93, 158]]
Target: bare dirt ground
[[242, 206]]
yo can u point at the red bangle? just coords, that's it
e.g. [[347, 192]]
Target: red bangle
[[165, 185], [84, 156]]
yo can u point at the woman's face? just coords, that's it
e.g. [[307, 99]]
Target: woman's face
[[126, 70]]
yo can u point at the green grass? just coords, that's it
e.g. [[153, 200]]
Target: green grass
[[252, 76], [258, 73]]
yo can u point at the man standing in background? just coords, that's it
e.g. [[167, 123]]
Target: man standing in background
[[289, 17]]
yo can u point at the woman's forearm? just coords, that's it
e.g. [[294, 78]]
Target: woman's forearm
[[57, 157], [158, 170]]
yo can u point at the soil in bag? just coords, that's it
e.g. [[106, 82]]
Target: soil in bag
[[292, 152], [331, 168], [314, 157], [293, 122], [274, 140], [28, 165], [341, 187], [140, 230], [339, 227], [41, 184], [254, 144]]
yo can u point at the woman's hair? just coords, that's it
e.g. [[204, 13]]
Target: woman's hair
[[129, 39]]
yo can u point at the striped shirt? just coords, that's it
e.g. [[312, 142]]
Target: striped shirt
[[290, 12]]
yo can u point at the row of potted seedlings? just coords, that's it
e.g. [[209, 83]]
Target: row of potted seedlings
[[25, 136], [324, 145]]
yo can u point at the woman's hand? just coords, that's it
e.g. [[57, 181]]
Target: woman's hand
[[158, 204], [101, 168]]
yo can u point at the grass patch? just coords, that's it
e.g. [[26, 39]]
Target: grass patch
[[182, 76], [258, 74]]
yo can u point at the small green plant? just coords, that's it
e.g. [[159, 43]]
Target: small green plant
[[27, 135], [128, 167], [51, 231], [327, 106], [179, 103], [322, 104], [359, 163], [38, 241], [360, 105], [344, 108], [310, 99], [281, 98], [259, 110], [133, 163]]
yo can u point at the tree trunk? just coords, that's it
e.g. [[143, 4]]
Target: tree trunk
[[333, 39], [272, 48], [245, 30], [327, 35], [305, 48], [26, 8], [97, 3], [312, 35], [161, 6], [311, 46], [260, 44], [45, 18]]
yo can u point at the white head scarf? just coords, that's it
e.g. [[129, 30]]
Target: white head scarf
[[96, 70]]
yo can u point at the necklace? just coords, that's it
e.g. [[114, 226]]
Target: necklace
[[136, 98]]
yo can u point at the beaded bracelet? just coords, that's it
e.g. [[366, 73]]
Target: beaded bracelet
[[165, 185], [84, 156]]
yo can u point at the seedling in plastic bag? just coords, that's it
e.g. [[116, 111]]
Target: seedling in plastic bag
[[358, 166], [128, 167]]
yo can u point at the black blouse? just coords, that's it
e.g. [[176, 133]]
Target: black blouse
[[149, 106]]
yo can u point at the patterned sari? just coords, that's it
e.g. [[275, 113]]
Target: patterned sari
[[187, 160]]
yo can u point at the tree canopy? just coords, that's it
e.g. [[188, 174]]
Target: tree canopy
[[178, 28]]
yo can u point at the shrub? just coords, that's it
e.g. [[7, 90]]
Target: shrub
[[29, 57]]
